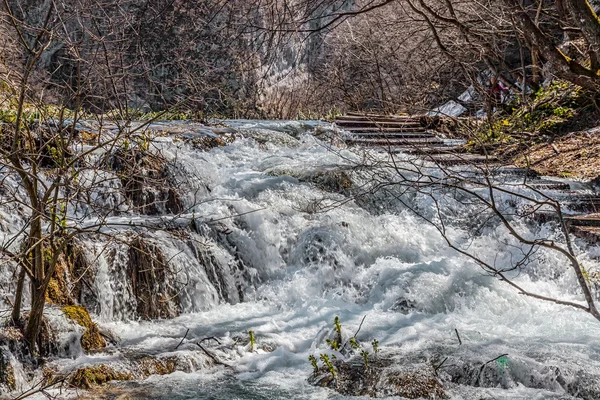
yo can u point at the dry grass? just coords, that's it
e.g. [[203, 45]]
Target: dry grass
[[576, 155]]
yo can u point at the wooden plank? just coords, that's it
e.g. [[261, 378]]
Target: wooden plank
[[378, 124], [428, 150], [392, 135], [459, 159], [588, 233], [378, 118], [359, 130], [395, 142], [584, 220]]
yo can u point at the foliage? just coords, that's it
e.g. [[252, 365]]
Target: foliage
[[365, 355], [328, 364], [548, 111], [349, 348], [375, 344], [314, 363], [252, 340]]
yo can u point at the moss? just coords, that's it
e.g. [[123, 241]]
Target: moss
[[89, 377], [330, 181], [7, 372], [207, 142], [157, 366], [58, 291], [91, 338]]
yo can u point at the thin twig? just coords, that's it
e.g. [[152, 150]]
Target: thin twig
[[183, 338], [458, 336], [213, 357], [360, 326], [210, 338]]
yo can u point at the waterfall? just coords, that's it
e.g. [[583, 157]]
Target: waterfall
[[264, 243]]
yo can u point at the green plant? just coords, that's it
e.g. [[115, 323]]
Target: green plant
[[336, 343], [252, 340], [313, 362], [329, 365], [365, 355], [375, 344], [354, 343]]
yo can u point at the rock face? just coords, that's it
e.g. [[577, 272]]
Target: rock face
[[148, 271], [380, 378]]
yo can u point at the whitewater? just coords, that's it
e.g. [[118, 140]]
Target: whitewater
[[373, 263]]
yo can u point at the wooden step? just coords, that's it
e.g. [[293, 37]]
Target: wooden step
[[544, 184], [378, 118], [392, 135], [584, 220], [359, 130], [395, 142], [427, 150], [590, 233], [459, 159], [378, 124]]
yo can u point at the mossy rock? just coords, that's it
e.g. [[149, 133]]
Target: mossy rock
[[207, 142], [335, 181], [157, 366], [381, 378], [58, 289], [96, 375], [7, 372], [91, 338]]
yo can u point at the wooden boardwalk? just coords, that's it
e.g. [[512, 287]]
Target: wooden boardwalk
[[412, 135]]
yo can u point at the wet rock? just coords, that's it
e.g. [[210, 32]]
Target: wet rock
[[145, 180], [58, 291], [82, 275], [12, 338], [148, 271], [508, 372], [264, 136], [380, 378], [7, 372], [154, 366], [91, 338], [208, 142], [404, 306], [335, 181], [95, 375]]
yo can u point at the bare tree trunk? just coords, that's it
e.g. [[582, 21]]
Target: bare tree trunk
[[36, 316], [16, 311], [584, 14], [563, 66]]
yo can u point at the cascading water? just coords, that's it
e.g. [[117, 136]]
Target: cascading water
[[254, 252]]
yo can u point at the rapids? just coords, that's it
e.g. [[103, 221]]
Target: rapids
[[260, 254]]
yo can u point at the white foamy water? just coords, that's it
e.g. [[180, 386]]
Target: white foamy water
[[370, 259]]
